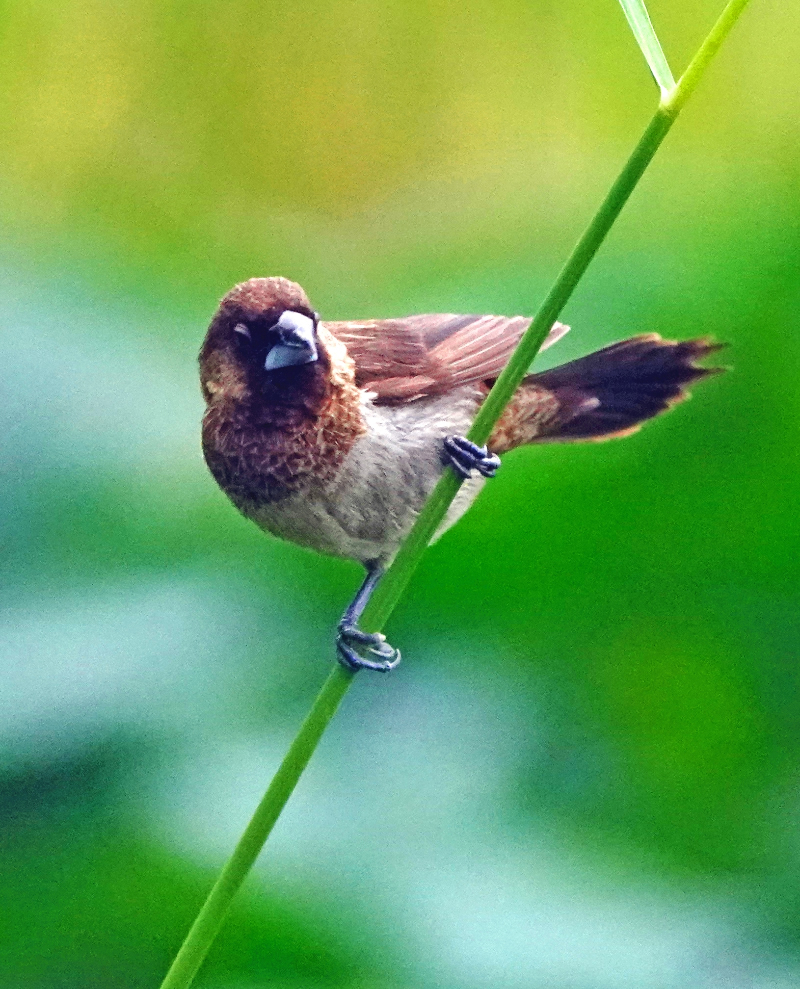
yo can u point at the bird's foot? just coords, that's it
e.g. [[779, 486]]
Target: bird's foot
[[351, 642], [464, 457]]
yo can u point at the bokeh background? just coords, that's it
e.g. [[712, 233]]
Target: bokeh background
[[585, 774]]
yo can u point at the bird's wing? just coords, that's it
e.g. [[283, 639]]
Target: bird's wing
[[401, 360]]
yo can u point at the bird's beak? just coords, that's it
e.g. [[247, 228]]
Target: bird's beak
[[297, 344]]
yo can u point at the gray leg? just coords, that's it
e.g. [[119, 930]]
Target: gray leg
[[350, 637], [464, 457]]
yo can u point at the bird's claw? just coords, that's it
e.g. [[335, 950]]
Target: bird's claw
[[351, 641], [464, 456]]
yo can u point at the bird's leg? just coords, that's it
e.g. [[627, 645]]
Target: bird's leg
[[464, 457], [351, 640]]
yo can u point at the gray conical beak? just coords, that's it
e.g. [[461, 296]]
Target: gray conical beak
[[297, 344]]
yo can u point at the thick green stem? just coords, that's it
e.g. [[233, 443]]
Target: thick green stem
[[389, 591]]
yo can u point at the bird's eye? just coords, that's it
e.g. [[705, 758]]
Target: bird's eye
[[242, 330]]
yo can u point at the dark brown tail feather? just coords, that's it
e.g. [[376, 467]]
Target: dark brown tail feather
[[611, 392]]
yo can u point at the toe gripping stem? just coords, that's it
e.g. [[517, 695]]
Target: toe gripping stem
[[464, 457], [351, 641]]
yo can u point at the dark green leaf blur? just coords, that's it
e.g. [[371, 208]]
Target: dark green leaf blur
[[585, 775]]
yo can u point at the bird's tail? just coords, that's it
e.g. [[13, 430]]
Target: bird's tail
[[606, 394]]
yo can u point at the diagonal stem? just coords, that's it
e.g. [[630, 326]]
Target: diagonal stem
[[405, 563], [208, 922], [202, 933], [647, 39]]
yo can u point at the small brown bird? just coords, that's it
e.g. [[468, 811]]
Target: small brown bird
[[333, 434]]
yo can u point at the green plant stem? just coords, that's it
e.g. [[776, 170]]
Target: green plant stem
[[209, 920], [698, 65], [647, 39], [405, 563]]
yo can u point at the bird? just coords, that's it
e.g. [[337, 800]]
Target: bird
[[332, 434]]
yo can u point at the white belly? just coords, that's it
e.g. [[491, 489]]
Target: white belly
[[386, 479]]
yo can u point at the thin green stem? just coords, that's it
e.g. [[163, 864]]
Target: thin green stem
[[430, 518], [209, 920], [698, 65], [647, 39]]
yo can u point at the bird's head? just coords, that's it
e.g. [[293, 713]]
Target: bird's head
[[264, 344]]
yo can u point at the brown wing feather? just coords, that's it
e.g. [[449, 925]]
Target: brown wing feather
[[382, 348], [401, 360]]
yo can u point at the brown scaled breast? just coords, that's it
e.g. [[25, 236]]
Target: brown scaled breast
[[264, 451]]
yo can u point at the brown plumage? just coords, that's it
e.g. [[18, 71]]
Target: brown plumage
[[269, 435], [334, 434]]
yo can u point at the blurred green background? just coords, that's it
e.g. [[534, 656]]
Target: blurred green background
[[585, 774]]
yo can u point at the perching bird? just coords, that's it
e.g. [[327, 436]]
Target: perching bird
[[333, 434]]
